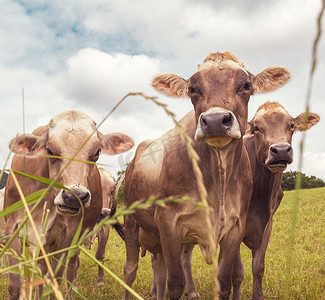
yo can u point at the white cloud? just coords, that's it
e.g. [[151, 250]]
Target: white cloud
[[94, 52], [312, 164], [41, 98], [99, 79]]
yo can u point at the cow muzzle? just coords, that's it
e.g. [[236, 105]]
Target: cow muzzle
[[279, 156], [218, 127], [70, 202]]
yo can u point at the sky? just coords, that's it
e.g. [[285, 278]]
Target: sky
[[88, 54]]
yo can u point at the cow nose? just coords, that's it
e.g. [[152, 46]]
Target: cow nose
[[222, 120], [281, 150], [72, 198]]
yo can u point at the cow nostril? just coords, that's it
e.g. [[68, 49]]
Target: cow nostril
[[227, 119], [71, 198], [274, 150], [289, 149], [83, 196], [204, 122]]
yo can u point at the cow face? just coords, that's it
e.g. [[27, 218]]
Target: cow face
[[61, 139], [273, 128], [220, 91]]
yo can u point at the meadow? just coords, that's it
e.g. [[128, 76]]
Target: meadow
[[308, 272]]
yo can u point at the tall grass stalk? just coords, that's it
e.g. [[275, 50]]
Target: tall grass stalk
[[194, 157], [201, 187], [55, 284], [295, 208]]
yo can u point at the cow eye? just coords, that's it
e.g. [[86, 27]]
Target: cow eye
[[192, 90], [246, 87], [257, 129], [52, 159], [292, 126], [95, 156], [49, 152]]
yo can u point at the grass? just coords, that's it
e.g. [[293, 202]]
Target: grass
[[308, 273]]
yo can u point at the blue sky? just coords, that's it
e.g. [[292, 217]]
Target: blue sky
[[88, 54]]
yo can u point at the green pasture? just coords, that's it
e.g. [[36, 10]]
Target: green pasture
[[308, 272]]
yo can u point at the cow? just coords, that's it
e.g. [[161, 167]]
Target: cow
[[219, 91], [67, 134], [108, 210], [268, 143]]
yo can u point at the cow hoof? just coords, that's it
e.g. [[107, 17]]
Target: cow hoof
[[100, 283], [192, 295]]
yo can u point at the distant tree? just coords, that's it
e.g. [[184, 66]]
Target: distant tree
[[316, 182], [289, 181]]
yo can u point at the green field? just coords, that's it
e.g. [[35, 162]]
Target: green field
[[308, 272]]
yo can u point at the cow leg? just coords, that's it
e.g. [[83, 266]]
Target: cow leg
[[103, 235], [72, 272], [153, 290], [258, 264], [238, 276], [172, 251], [14, 283], [159, 277], [228, 251], [191, 291], [58, 274], [132, 252], [187, 251], [39, 289]]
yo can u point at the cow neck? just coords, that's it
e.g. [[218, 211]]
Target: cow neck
[[266, 184], [226, 162]]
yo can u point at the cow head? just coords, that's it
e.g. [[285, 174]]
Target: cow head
[[60, 139], [273, 128], [220, 91]]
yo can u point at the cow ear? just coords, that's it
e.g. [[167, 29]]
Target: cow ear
[[270, 79], [301, 124], [27, 144], [170, 85], [41, 131], [114, 143]]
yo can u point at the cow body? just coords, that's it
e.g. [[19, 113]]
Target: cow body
[[64, 137], [219, 91], [269, 148], [108, 186]]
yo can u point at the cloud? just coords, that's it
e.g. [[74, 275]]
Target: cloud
[[313, 164], [88, 54], [99, 79], [42, 98]]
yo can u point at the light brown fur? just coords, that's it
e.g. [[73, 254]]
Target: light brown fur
[[64, 206], [220, 98]]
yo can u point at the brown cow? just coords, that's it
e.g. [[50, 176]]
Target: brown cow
[[60, 139], [268, 143], [219, 91], [108, 186], [269, 149]]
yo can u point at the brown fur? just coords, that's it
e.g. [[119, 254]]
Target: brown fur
[[163, 168], [84, 177], [220, 58], [267, 192]]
